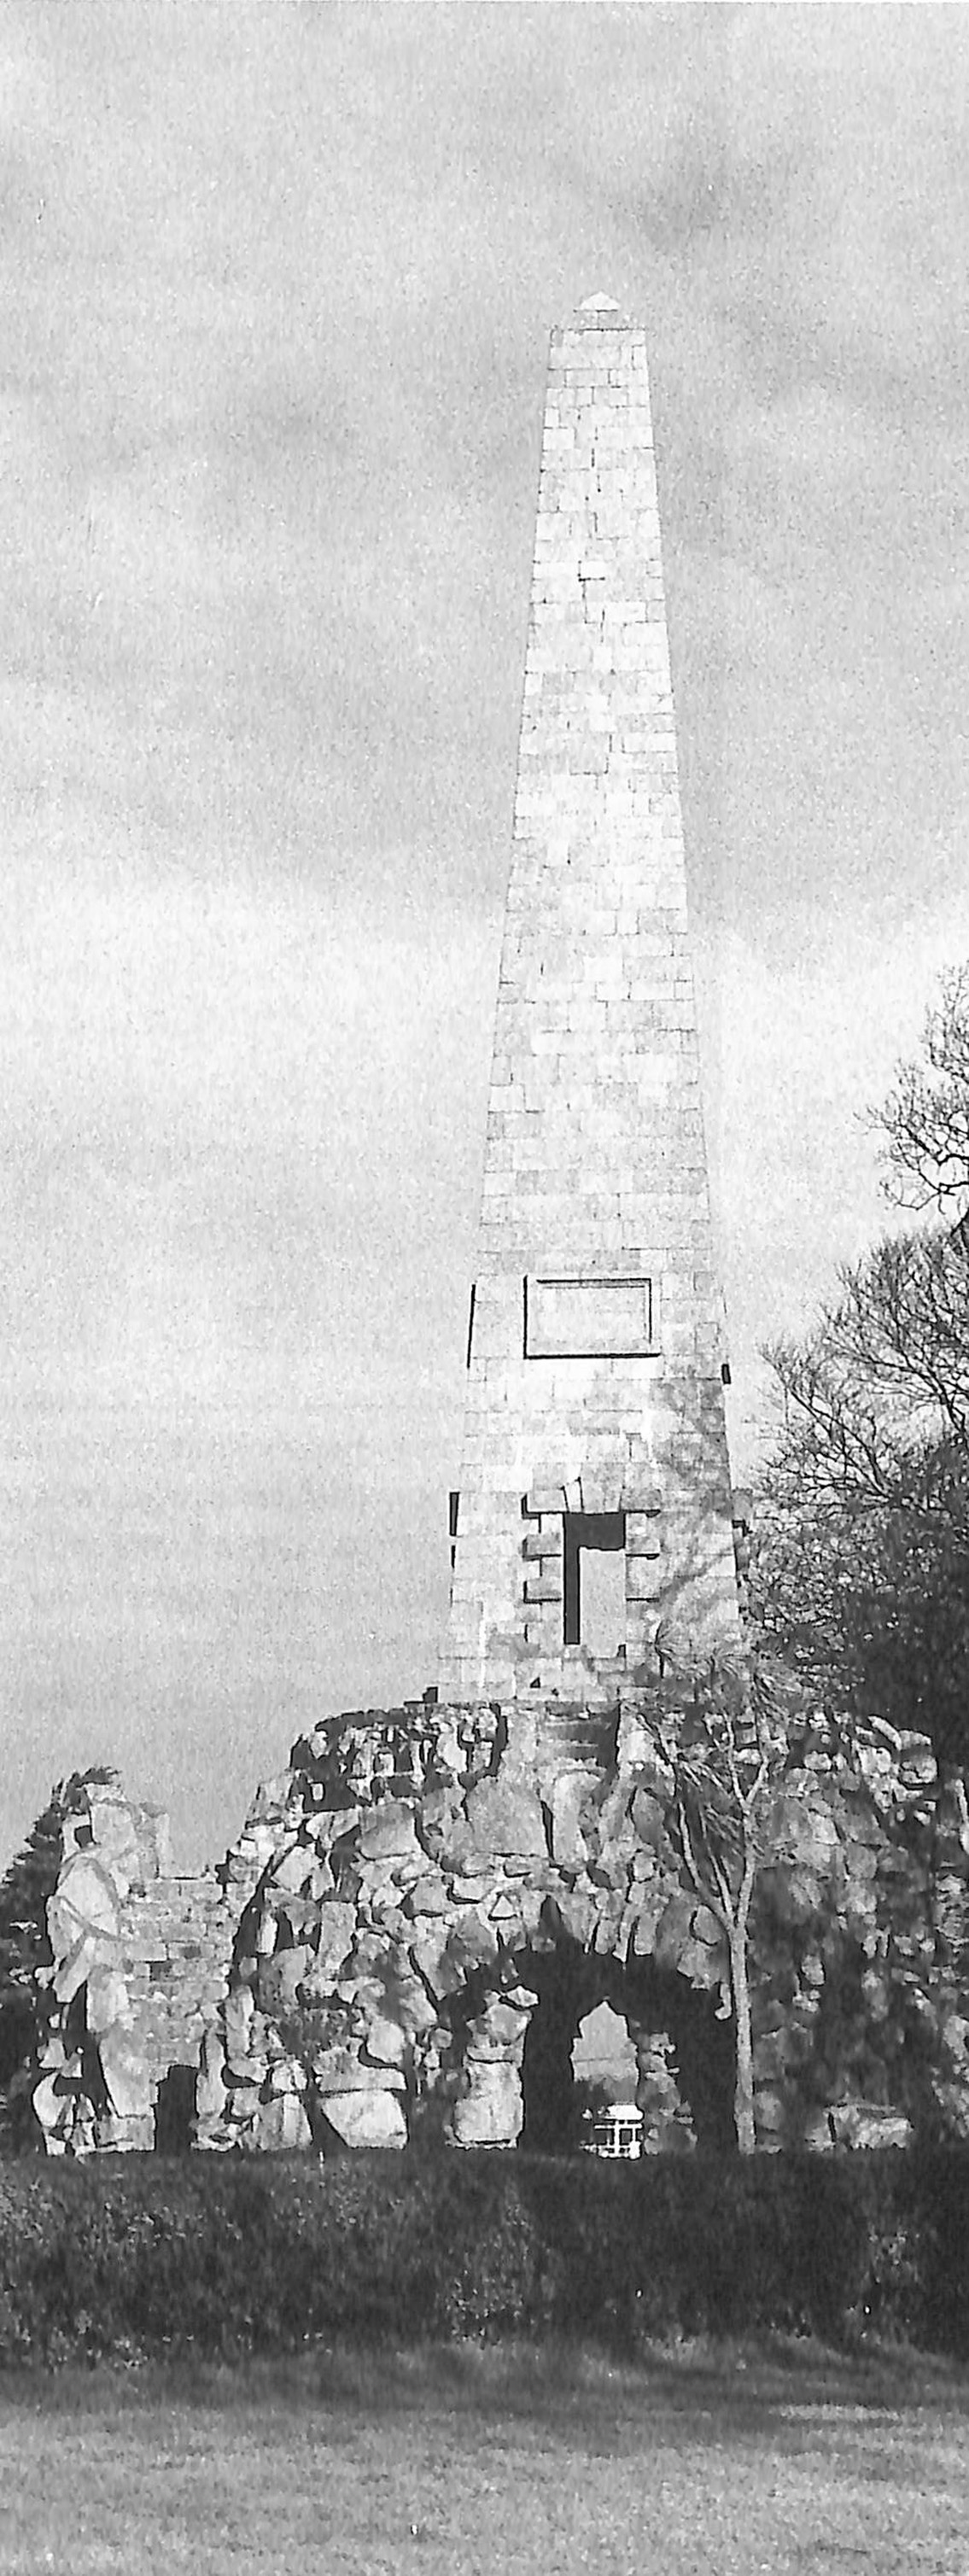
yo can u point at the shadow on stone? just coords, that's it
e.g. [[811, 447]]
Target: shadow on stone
[[175, 2112]]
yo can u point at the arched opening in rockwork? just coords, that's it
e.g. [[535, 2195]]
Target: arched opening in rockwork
[[603, 2056], [685, 2072], [175, 2112]]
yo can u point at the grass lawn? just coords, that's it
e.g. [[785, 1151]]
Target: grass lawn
[[470, 2463]]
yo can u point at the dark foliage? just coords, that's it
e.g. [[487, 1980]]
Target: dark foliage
[[137, 2257]]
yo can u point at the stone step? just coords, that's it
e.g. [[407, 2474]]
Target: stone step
[[578, 1735]]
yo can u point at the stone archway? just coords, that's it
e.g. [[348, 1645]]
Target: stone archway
[[603, 2056], [511, 2073], [565, 1985], [684, 2054]]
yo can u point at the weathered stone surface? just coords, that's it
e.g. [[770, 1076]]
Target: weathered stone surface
[[296, 1868], [502, 2026], [472, 1943], [430, 1959], [648, 1818], [385, 2042], [282, 2123], [428, 1895], [238, 2019], [288, 2076], [127, 2080], [107, 1999], [73, 1967], [373, 2119], [388, 1834], [490, 2114], [407, 2003], [673, 1931], [569, 1847], [85, 1900], [506, 1819], [290, 1967], [209, 2085], [338, 1924]]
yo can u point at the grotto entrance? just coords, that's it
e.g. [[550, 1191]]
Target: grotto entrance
[[685, 2054]]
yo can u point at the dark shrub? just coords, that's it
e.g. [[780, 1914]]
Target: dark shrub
[[142, 2255]]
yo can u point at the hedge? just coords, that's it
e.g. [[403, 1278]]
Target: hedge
[[138, 2256]]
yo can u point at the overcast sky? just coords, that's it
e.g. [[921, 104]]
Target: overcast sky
[[279, 282]]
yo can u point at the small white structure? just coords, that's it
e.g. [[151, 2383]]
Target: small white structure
[[616, 2132]]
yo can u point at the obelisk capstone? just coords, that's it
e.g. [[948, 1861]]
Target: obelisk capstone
[[594, 1481]]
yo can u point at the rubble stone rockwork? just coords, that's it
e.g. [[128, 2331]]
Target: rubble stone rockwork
[[424, 1904], [594, 1420], [141, 1961]]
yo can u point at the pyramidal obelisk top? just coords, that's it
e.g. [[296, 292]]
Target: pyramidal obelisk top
[[593, 1515]]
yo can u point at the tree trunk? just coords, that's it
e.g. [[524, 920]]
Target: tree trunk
[[743, 2099]]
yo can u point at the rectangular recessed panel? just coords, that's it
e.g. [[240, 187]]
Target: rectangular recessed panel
[[583, 1319]]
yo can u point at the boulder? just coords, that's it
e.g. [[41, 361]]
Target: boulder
[[472, 1944], [127, 2076], [385, 2043], [673, 1931], [295, 1870], [491, 2112], [209, 2086], [429, 1955], [498, 2035], [506, 1816], [338, 1923], [238, 2016], [427, 1896], [288, 2076], [373, 2119], [407, 2003], [648, 1820], [388, 1832], [281, 2123], [288, 1971], [569, 1848], [650, 1903]]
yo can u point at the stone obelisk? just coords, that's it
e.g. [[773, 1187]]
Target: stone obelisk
[[595, 1481]]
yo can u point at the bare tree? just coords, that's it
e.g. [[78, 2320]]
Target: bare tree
[[725, 1740], [925, 1122], [860, 1559]]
